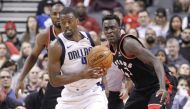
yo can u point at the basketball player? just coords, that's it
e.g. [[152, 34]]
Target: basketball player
[[146, 72], [42, 41], [67, 67], [115, 83]]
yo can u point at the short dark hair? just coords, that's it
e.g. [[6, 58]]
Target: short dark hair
[[161, 12], [68, 10], [111, 17], [144, 10]]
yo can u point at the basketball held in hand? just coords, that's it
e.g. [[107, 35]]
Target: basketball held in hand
[[100, 56]]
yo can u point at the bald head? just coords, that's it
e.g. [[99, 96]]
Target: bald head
[[57, 7]]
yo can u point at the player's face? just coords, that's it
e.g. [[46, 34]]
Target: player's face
[[69, 24], [55, 15], [111, 30]]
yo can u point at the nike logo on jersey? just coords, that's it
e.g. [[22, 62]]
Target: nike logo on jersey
[[69, 46]]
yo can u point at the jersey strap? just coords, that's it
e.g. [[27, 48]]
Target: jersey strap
[[90, 38]]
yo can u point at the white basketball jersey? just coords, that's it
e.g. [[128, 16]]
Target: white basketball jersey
[[75, 60]]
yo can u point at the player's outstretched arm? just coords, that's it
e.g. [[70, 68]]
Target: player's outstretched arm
[[133, 46], [41, 39]]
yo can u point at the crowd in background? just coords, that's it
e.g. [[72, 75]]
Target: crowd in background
[[167, 37]]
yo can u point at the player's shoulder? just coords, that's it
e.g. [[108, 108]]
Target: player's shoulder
[[131, 43], [43, 35], [129, 39]]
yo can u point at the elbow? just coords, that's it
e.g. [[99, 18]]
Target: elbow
[[54, 82]]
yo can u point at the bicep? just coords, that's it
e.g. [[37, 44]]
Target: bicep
[[54, 62]]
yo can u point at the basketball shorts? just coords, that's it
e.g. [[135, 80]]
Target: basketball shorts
[[114, 101], [94, 98], [147, 100]]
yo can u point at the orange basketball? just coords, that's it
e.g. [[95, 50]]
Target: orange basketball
[[100, 56]]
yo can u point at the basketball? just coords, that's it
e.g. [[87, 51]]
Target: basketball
[[100, 56]]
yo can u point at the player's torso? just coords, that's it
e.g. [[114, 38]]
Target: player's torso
[[141, 74], [75, 59], [75, 55]]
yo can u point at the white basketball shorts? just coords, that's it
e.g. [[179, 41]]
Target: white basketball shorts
[[94, 98]]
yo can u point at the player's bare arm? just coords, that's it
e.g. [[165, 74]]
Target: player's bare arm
[[40, 42], [132, 46], [58, 79]]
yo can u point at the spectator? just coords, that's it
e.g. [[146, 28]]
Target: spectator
[[25, 50], [35, 99], [11, 34], [161, 41], [173, 70], [11, 66], [182, 93], [32, 30], [3, 54], [185, 44], [174, 56], [44, 16], [6, 79], [161, 21], [5, 101], [184, 70], [186, 20], [131, 14], [145, 23], [151, 41], [175, 27], [86, 21], [41, 5], [32, 84], [181, 6], [1, 38], [162, 56]]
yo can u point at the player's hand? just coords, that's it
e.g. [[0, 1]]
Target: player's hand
[[19, 89], [92, 73], [103, 71], [123, 94], [3, 95], [164, 96]]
